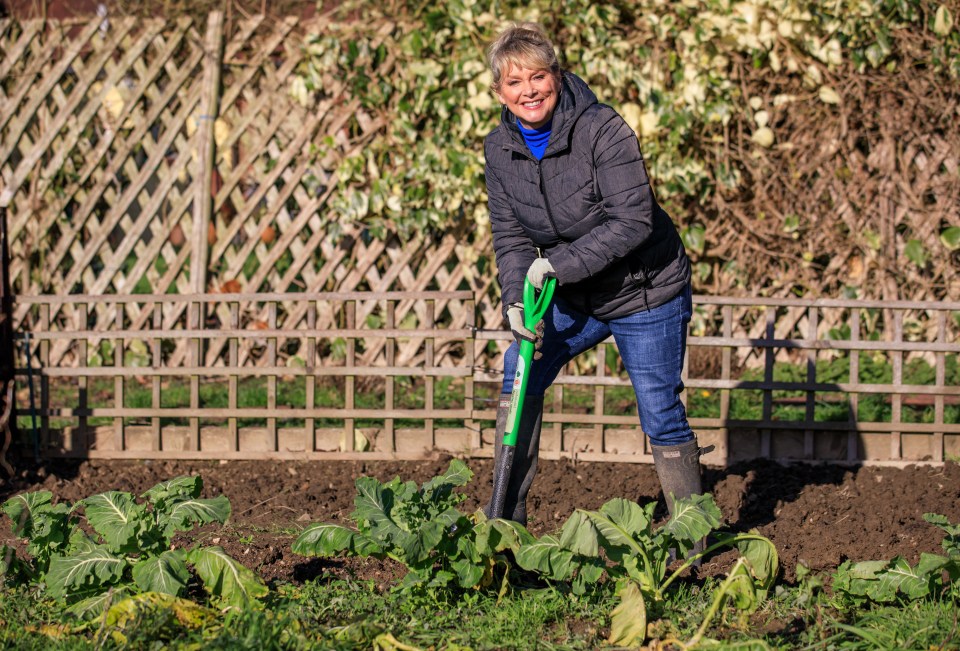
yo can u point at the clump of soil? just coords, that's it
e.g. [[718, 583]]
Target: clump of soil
[[819, 515]]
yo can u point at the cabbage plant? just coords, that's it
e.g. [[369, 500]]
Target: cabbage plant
[[130, 549]]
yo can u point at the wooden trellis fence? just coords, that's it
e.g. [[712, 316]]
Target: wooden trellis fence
[[106, 148]]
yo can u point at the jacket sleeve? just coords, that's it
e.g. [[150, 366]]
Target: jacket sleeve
[[512, 247], [627, 203]]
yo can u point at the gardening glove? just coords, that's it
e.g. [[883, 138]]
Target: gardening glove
[[521, 332], [539, 271]]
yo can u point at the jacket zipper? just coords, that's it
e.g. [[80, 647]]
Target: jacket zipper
[[543, 190], [546, 202]]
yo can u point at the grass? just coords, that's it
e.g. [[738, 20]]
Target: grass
[[919, 625], [747, 404], [340, 614], [347, 614], [521, 621]]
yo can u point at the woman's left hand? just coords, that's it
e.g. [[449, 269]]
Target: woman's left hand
[[539, 271]]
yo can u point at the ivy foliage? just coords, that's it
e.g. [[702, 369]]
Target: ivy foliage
[[673, 69]]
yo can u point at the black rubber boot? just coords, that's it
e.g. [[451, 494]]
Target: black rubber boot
[[678, 467], [525, 456]]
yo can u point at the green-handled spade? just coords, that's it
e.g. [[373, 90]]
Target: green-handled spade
[[534, 308]]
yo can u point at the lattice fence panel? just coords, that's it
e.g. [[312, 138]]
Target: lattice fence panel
[[118, 177], [97, 157]]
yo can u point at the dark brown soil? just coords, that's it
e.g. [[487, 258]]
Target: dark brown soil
[[819, 515]]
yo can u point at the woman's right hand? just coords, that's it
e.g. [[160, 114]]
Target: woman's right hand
[[521, 332]]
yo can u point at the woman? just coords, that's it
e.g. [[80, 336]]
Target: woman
[[569, 198]]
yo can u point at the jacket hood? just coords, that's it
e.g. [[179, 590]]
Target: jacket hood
[[575, 98]]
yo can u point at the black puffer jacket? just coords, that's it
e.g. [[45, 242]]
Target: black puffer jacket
[[587, 205]]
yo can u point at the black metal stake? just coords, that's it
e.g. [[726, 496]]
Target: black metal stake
[[7, 350], [33, 405]]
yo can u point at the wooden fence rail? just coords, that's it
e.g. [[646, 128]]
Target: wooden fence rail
[[291, 388]]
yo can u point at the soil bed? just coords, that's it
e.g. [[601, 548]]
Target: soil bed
[[819, 515]]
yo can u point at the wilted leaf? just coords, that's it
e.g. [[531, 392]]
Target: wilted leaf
[[865, 570], [298, 91], [881, 581], [53, 631], [628, 621], [232, 286], [875, 54], [360, 442], [740, 586], [183, 612]]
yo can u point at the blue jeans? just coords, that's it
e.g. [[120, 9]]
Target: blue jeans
[[652, 345]]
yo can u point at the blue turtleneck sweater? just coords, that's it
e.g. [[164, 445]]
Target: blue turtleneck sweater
[[536, 139]]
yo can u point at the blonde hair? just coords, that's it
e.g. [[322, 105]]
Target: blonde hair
[[522, 44]]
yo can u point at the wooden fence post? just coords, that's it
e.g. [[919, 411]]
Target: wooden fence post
[[203, 172], [203, 202]]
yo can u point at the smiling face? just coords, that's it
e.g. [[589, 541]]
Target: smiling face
[[529, 94]]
